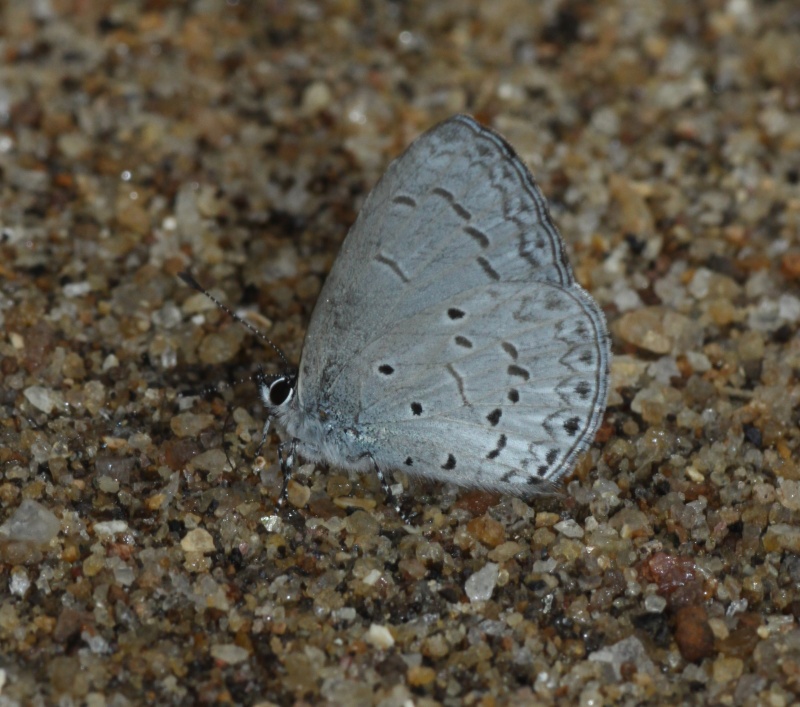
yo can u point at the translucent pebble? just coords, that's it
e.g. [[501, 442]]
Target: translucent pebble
[[628, 650], [229, 653], [480, 585], [43, 399], [19, 582], [569, 528], [31, 522]]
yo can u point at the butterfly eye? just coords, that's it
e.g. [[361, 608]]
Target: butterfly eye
[[281, 392]]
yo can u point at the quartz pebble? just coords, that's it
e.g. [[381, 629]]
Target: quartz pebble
[[481, 584], [30, 523]]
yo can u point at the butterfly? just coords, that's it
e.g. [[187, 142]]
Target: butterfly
[[450, 339]]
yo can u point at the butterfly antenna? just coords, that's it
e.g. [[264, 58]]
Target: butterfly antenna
[[188, 278]]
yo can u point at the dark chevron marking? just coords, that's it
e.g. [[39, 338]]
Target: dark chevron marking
[[481, 238], [404, 200], [510, 349], [450, 199], [459, 383], [501, 443], [395, 268], [514, 370], [488, 269]]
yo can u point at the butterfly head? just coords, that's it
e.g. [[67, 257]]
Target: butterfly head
[[277, 391]]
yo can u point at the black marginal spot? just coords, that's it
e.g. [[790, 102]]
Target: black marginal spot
[[386, 369], [581, 330], [494, 416], [572, 425], [508, 476], [454, 313], [450, 463], [488, 269], [416, 408], [405, 200], [586, 357], [458, 208], [481, 238], [464, 341], [552, 455], [409, 461], [533, 481], [392, 265], [514, 370], [513, 395], [583, 389], [542, 470], [510, 349], [501, 443]]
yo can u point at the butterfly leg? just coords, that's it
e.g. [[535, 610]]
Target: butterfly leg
[[391, 500], [286, 457]]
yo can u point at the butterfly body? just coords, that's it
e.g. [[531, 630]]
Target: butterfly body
[[450, 339]]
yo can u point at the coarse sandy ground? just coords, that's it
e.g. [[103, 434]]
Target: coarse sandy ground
[[137, 566]]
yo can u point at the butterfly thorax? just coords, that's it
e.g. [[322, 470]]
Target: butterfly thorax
[[321, 436]]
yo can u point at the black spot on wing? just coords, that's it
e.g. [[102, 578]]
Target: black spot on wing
[[450, 199], [450, 463], [572, 426], [552, 455], [386, 369], [464, 342], [583, 389], [501, 443], [494, 416], [510, 349], [479, 236], [455, 313], [486, 266], [513, 395], [416, 409], [409, 461], [514, 370], [404, 200]]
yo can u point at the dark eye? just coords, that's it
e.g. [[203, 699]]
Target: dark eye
[[280, 391]]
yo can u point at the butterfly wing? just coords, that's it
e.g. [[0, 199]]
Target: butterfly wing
[[450, 332]]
